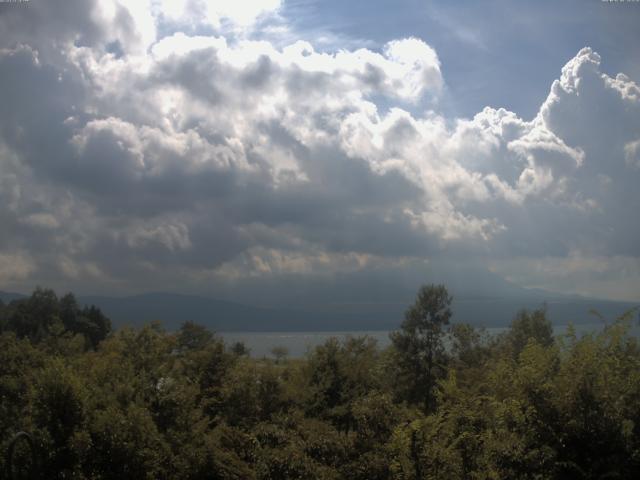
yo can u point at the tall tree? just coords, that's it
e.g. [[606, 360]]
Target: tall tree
[[419, 344], [193, 336], [89, 321], [34, 317], [530, 326]]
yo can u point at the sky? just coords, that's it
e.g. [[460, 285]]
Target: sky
[[270, 151]]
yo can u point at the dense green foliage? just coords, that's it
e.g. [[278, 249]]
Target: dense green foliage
[[44, 317], [443, 402]]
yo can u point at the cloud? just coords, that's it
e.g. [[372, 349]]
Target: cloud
[[214, 12], [133, 150], [614, 276], [15, 266], [42, 220], [632, 153]]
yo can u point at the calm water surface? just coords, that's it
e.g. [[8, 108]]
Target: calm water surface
[[298, 343]]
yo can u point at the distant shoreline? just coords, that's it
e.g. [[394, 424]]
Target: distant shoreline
[[260, 344]]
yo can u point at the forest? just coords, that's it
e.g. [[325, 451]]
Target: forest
[[444, 401]]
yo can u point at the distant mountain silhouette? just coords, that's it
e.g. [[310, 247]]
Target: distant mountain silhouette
[[7, 297], [219, 315], [173, 309]]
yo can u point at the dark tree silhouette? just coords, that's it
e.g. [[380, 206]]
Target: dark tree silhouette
[[419, 344]]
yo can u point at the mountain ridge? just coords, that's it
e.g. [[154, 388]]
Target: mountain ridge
[[172, 309]]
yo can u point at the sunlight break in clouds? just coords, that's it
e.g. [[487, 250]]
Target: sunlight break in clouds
[[160, 156]]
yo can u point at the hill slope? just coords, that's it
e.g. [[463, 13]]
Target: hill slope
[[172, 310], [219, 315]]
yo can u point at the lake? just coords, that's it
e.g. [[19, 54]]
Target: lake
[[298, 343]]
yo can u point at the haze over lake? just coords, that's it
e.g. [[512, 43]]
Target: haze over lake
[[298, 344]]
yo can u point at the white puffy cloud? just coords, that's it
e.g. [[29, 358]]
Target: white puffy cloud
[[213, 154], [213, 12]]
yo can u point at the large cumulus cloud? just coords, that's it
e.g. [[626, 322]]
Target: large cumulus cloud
[[150, 146]]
